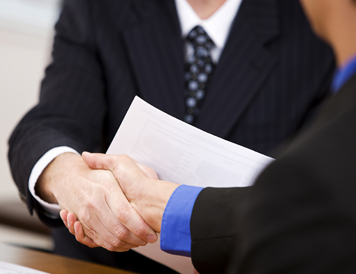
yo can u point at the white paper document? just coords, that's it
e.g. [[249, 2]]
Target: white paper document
[[7, 268], [183, 154]]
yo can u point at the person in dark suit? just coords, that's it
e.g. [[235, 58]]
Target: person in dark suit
[[271, 73], [300, 215]]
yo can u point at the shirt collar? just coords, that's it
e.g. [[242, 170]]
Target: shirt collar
[[343, 74], [217, 26]]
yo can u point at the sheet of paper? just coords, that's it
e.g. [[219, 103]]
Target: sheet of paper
[[182, 154], [7, 268]]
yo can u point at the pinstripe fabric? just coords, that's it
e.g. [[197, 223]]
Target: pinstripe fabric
[[269, 81]]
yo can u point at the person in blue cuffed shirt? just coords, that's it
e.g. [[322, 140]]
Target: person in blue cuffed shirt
[[300, 215]]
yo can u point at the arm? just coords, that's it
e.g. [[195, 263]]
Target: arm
[[71, 112], [46, 159], [71, 106]]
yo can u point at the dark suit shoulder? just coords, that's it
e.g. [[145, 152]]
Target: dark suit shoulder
[[124, 13], [300, 214], [85, 16]]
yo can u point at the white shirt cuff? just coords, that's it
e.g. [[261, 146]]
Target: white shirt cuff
[[37, 170]]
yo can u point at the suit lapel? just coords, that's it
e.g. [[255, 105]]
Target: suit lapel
[[155, 48], [243, 67]]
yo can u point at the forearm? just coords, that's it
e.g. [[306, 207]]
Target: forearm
[[152, 203], [52, 175]]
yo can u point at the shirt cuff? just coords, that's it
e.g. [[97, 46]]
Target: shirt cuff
[[37, 170], [175, 228]]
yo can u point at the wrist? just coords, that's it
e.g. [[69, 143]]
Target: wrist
[[153, 201], [46, 185]]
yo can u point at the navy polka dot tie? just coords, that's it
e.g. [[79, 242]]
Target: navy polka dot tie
[[198, 72]]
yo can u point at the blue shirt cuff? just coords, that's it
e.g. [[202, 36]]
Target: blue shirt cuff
[[343, 74], [175, 228]]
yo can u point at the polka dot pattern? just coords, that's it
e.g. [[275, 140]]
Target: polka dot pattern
[[199, 70]]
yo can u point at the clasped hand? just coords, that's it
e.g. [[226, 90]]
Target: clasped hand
[[137, 197]]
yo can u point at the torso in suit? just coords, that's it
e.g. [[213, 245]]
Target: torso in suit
[[299, 217], [270, 79]]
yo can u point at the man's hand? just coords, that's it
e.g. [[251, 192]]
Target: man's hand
[[96, 199], [148, 197]]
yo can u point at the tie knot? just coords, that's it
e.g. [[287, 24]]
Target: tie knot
[[200, 39]]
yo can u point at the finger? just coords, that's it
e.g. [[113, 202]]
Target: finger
[[128, 216], [71, 219], [109, 162], [119, 246], [149, 172], [63, 214], [98, 160], [101, 225], [81, 237], [122, 167], [117, 230], [71, 222]]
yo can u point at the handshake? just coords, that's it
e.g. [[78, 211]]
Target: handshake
[[106, 200]]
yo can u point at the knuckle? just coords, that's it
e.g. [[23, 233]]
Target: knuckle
[[119, 161], [90, 233], [148, 169], [123, 213], [111, 160], [84, 216], [80, 240], [124, 157], [121, 233], [100, 242], [140, 231], [116, 243], [108, 247]]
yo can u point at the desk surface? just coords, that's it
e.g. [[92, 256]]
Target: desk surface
[[50, 263]]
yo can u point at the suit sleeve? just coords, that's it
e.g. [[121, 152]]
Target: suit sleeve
[[71, 107], [299, 217], [213, 227]]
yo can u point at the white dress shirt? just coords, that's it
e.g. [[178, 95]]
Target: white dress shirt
[[217, 26]]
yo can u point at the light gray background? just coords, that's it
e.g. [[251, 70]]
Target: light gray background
[[25, 40], [26, 33]]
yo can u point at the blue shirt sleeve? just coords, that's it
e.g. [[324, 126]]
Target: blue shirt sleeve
[[343, 74], [175, 228]]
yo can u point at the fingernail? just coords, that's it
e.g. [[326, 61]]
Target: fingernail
[[152, 238]]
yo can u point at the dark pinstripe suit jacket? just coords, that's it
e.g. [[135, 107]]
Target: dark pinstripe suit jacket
[[299, 217], [271, 77]]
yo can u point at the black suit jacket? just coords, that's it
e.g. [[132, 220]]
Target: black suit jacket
[[300, 216], [271, 77]]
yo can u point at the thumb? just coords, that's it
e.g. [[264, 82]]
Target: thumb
[[117, 164], [98, 160]]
